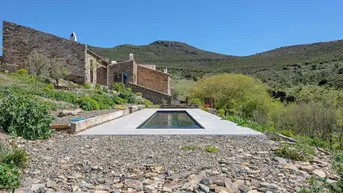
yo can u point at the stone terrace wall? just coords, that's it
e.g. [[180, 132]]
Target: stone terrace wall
[[19, 41], [151, 95], [153, 79]]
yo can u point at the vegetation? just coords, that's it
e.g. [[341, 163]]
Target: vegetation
[[11, 161], [189, 147], [22, 116], [38, 64], [211, 149], [297, 152], [57, 70]]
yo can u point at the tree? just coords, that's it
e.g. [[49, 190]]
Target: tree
[[38, 64], [57, 70]]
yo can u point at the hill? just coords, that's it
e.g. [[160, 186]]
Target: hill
[[177, 55]]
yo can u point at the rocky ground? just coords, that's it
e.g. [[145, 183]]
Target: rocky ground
[[68, 163]]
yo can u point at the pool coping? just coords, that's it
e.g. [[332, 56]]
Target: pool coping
[[127, 125]]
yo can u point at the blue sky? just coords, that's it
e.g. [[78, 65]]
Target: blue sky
[[235, 27]]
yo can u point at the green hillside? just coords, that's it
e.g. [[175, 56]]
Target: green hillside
[[176, 55]]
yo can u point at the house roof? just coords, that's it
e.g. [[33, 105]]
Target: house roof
[[104, 61]]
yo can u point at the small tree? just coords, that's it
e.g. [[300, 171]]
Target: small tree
[[57, 70], [38, 64]]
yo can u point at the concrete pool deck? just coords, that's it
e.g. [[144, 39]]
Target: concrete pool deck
[[127, 125]]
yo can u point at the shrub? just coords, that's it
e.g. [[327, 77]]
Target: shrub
[[22, 71], [98, 87], [189, 148], [211, 149], [48, 87], [87, 86], [18, 158], [119, 87], [23, 116], [88, 104], [196, 101], [221, 112], [234, 93], [139, 94], [147, 103], [287, 133], [297, 152], [118, 100], [9, 177], [128, 96], [104, 101]]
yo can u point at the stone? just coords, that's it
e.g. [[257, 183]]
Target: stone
[[230, 186], [204, 188], [35, 187], [280, 160], [69, 112], [220, 189], [50, 184], [269, 185], [119, 185], [291, 167], [128, 183], [307, 168], [166, 189], [68, 166], [206, 181], [23, 190], [319, 173]]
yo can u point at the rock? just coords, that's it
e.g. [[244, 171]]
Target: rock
[[68, 166], [307, 168], [204, 188], [119, 185], [220, 189], [35, 187], [333, 177], [206, 181], [128, 183], [280, 160], [291, 167], [69, 112], [50, 184], [319, 173], [23, 190], [239, 184], [230, 186], [166, 189], [269, 185]]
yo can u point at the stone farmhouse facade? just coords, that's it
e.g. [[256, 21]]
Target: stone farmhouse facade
[[83, 64]]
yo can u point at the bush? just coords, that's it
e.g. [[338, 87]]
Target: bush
[[287, 133], [118, 100], [88, 104], [128, 96], [104, 101], [211, 149], [234, 93], [297, 152], [9, 177], [196, 101], [18, 158], [87, 86], [22, 71], [189, 147], [147, 103], [139, 94], [221, 112], [23, 116], [98, 87], [48, 87], [119, 87]]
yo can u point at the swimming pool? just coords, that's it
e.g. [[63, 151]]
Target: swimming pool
[[170, 120]]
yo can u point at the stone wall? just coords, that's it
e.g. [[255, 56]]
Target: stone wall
[[101, 76], [91, 69], [19, 41], [153, 79], [153, 96], [121, 68]]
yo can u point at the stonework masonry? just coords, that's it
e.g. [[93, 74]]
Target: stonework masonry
[[101, 75], [19, 41], [153, 79], [126, 67], [152, 95]]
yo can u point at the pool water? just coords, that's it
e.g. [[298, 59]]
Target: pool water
[[170, 120]]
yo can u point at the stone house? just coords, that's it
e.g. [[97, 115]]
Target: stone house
[[84, 65]]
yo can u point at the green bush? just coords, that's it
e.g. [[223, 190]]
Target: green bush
[[119, 87], [48, 87], [88, 104], [128, 96], [297, 152], [211, 149], [287, 133], [9, 177], [221, 112], [196, 101], [147, 103], [139, 94], [189, 147], [118, 100], [18, 158], [87, 86], [22, 71], [23, 116], [105, 101], [98, 87]]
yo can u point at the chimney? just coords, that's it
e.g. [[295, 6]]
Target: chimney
[[113, 62], [131, 56], [165, 70]]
